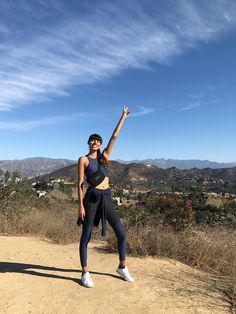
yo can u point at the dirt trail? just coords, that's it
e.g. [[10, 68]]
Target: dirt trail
[[39, 277]]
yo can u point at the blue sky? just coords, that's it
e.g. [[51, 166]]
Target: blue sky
[[68, 67]]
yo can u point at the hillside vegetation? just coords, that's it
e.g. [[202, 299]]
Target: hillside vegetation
[[149, 177]]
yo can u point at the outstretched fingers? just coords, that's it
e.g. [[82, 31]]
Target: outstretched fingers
[[125, 111]]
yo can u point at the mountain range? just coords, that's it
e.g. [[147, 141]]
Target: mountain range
[[139, 175], [182, 164], [31, 167], [145, 177]]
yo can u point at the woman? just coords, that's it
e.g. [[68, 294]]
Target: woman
[[97, 203]]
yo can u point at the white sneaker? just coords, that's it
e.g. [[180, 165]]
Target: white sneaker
[[124, 273], [86, 280]]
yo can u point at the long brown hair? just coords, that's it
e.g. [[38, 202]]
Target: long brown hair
[[102, 159]]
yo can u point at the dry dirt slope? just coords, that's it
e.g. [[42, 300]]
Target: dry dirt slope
[[39, 277]]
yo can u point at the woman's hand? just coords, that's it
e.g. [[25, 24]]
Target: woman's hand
[[81, 212], [125, 112]]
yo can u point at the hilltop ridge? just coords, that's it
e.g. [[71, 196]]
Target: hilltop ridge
[[150, 177], [31, 167]]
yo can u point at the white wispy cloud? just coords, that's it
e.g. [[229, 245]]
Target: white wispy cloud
[[142, 111], [28, 125], [204, 92], [203, 97], [196, 96], [44, 61], [191, 106]]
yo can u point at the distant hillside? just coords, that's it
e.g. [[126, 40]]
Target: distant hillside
[[182, 164], [31, 167], [146, 176]]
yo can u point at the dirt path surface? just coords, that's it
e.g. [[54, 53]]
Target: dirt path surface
[[39, 277]]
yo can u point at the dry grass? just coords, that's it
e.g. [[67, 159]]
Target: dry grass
[[50, 218], [209, 249], [46, 218]]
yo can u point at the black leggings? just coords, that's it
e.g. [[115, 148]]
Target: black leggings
[[91, 202]]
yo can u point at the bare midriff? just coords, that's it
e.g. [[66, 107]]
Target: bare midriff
[[104, 184]]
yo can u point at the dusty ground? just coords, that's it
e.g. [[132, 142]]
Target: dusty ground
[[39, 277]]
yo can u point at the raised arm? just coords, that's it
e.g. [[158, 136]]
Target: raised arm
[[115, 133]]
